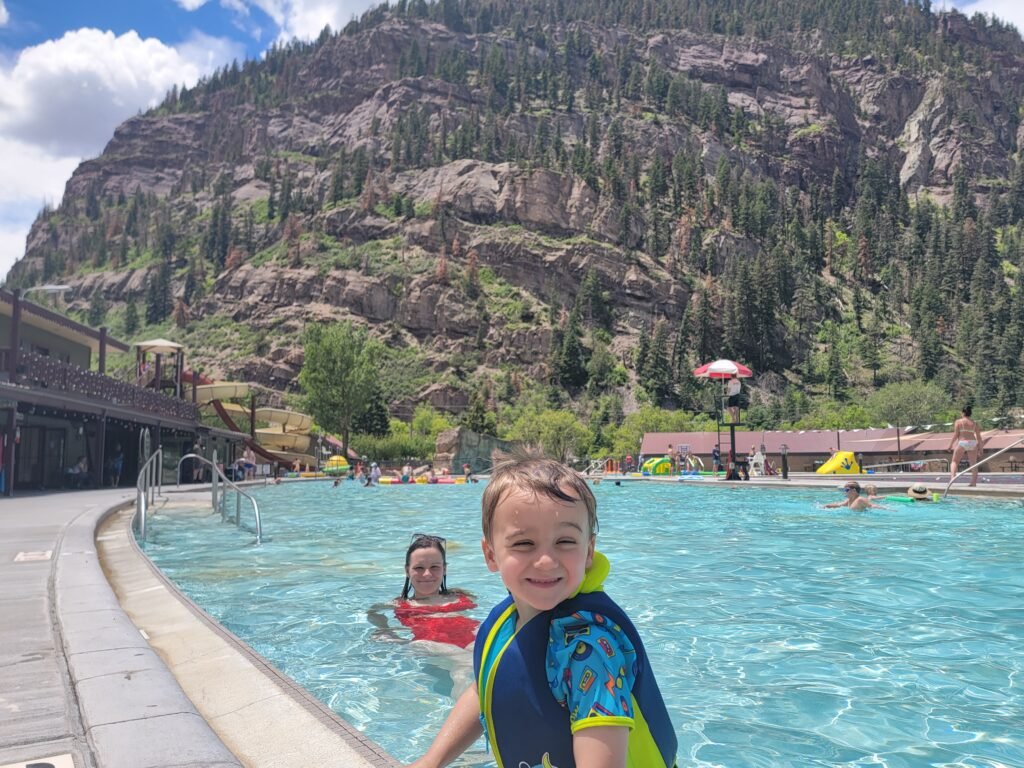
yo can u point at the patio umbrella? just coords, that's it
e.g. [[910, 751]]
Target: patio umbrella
[[723, 369]]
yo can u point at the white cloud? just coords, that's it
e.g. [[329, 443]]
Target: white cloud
[[1007, 10], [305, 19], [191, 5], [67, 95], [4, 15], [61, 100], [29, 179]]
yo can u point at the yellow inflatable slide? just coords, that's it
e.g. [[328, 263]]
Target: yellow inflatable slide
[[841, 463]]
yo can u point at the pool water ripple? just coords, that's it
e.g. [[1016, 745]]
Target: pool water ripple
[[782, 634]]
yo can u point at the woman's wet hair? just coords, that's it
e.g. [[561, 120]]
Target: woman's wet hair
[[425, 541], [967, 411]]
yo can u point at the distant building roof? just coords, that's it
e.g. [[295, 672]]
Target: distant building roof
[[820, 441], [53, 322]]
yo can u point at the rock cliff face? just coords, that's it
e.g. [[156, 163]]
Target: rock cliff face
[[398, 246]]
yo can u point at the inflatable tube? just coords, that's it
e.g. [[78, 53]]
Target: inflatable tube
[[841, 463], [910, 499]]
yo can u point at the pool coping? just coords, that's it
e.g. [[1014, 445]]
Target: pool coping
[[263, 716]]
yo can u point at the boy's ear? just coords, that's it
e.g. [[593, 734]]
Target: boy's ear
[[590, 551], [489, 558]]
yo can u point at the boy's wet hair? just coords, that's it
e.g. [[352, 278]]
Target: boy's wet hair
[[529, 470]]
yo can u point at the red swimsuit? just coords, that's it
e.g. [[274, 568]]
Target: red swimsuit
[[426, 624]]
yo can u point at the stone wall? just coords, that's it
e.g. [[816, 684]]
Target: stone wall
[[459, 445]]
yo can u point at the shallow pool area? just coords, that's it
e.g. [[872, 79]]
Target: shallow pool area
[[781, 633]]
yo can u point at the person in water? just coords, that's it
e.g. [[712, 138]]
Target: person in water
[[562, 677], [966, 440], [853, 499], [426, 606]]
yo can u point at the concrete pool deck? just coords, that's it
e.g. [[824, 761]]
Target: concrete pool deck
[[86, 674], [86, 669]]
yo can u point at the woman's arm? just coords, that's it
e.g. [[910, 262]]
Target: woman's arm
[[458, 733], [378, 618], [602, 746]]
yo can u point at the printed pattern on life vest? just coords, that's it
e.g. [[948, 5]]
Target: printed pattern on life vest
[[591, 666]]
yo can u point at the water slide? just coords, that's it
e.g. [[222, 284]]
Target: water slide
[[841, 463], [258, 449]]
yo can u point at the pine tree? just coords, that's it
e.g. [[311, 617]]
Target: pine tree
[[571, 372], [375, 419], [656, 376], [131, 318], [97, 309]]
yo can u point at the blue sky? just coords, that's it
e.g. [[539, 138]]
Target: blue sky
[[72, 70]]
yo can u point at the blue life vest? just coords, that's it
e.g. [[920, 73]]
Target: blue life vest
[[525, 725]]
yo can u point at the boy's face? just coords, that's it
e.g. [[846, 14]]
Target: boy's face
[[542, 548]]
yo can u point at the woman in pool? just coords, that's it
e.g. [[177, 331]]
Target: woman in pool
[[426, 606], [966, 439]]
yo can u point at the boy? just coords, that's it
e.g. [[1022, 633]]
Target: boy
[[853, 499], [562, 678]]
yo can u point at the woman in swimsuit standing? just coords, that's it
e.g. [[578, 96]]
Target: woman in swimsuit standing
[[966, 439]]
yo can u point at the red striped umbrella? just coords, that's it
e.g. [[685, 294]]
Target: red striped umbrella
[[723, 369]]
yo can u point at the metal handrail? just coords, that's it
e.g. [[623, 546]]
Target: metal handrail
[[905, 462], [145, 487], [978, 464], [218, 498]]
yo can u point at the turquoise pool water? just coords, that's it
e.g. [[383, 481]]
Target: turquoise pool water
[[782, 634]]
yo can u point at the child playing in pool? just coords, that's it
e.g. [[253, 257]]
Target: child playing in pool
[[562, 678], [853, 499], [426, 605]]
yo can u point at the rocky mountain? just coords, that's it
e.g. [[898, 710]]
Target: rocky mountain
[[594, 194]]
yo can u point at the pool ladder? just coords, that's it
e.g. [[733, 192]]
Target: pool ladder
[[218, 495], [148, 486]]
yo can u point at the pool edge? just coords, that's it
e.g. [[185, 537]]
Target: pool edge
[[263, 716]]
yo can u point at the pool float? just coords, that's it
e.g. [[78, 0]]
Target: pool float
[[659, 465], [909, 499], [521, 725], [426, 624]]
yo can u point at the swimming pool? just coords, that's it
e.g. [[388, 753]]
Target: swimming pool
[[782, 634]]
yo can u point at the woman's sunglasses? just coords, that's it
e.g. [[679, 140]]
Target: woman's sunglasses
[[428, 537]]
